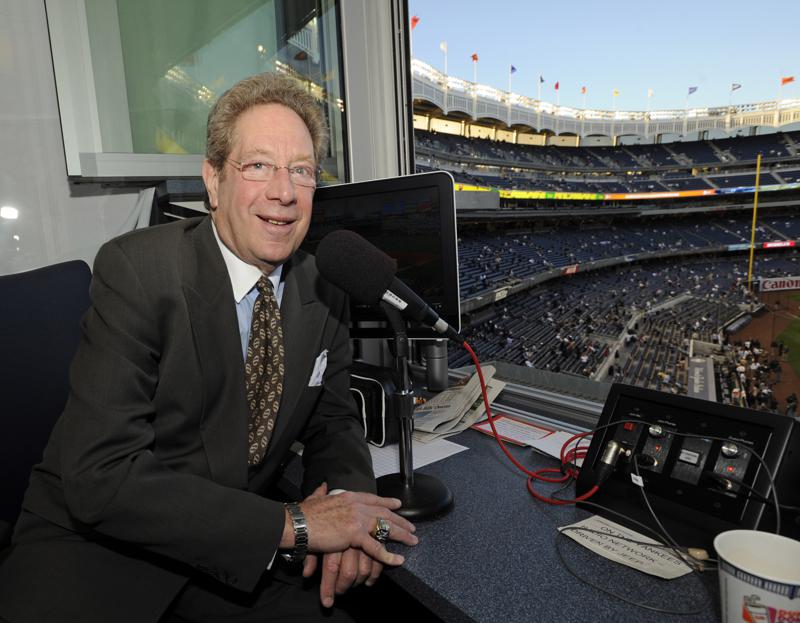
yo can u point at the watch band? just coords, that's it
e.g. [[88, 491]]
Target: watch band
[[300, 526]]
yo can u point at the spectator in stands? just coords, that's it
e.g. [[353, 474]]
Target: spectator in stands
[[791, 405]]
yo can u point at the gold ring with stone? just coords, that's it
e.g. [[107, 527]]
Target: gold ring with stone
[[382, 529]]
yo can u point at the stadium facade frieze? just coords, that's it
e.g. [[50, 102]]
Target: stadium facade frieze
[[482, 102]]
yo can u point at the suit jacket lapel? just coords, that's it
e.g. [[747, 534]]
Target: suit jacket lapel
[[212, 313], [303, 317]]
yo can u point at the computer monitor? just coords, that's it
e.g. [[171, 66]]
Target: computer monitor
[[412, 219]]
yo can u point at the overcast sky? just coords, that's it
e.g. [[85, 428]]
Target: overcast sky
[[628, 45]]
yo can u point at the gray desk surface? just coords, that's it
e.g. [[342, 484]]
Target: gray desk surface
[[494, 558]]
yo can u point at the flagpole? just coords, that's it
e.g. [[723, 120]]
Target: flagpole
[[474, 90], [558, 107], [443, 48], [730, 99], [685, 116], [753, 227], [583, 114], [647, 116], [508, 98], [539, 105], [613, 116], [413, 23]]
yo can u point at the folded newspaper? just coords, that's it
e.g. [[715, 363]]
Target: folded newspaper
[[455, 409]]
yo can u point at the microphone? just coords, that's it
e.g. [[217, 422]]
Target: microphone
[[367, 274]]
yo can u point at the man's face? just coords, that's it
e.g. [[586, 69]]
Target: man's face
[[263, 223]]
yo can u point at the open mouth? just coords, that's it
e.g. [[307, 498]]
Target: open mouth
[[275, 222]]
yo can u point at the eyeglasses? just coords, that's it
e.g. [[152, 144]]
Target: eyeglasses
[[263, 171]]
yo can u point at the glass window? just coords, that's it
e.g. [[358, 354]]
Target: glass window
[[159, 66]]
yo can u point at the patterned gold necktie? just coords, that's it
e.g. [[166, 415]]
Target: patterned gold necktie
[[263, 369]]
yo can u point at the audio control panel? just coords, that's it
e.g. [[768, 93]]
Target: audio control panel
[[698, 460]]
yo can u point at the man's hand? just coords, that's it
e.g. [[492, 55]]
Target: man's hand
[[341, 527], [339, 522], [341, 571]]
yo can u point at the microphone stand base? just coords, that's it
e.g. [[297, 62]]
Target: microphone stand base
[[427, 498]]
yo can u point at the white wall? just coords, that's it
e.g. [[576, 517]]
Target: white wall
[[597, 141], [563, 141], [57, 220]]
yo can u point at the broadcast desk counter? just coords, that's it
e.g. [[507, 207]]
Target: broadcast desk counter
[[493, 558]]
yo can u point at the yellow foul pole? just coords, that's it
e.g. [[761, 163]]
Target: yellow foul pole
[[753, 227]]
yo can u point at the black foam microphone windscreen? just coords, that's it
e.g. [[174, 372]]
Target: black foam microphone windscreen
[[355, 265]]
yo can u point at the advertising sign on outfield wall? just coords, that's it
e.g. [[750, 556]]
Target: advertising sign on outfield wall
[[780, 283]]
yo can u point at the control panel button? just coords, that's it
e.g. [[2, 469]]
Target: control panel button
[[730, 449]]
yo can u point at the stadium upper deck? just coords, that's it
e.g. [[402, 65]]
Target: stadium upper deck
[[438, 96], [712, 169]]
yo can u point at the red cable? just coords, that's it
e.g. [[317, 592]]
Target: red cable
[[566, 457]]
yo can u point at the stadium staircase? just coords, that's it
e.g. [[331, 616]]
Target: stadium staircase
[[774, 231], [791, 146], [679, 158], [724, 156]]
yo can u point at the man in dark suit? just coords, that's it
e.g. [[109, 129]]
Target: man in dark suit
[[150, 501]]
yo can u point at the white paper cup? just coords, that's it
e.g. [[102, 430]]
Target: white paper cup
[[759, 577]]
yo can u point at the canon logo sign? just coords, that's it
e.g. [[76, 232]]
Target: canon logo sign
[[780, 283]]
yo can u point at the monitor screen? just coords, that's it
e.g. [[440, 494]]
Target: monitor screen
[[410, 218]]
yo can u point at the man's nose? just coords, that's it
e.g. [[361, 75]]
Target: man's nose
[[280, 187]]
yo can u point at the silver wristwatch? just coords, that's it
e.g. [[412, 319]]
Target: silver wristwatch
[[300, 526]]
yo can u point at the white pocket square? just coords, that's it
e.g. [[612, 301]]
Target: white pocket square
[[319, 369]]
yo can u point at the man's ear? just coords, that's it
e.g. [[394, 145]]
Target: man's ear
[[211, 180]]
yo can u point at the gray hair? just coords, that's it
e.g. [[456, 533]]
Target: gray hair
[[260, 89]]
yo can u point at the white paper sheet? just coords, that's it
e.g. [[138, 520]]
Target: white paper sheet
[[552, 444], [386, 460], [513, 430], [658, 561]]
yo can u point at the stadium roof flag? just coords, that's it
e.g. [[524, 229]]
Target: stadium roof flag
[[787, 80], [513, 70], [649, 93], [692, 90], [615, 93], [735, 86], [443, 46], [583, 90], [414, 22], [556, 85], [474, 58], [541, 79]]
